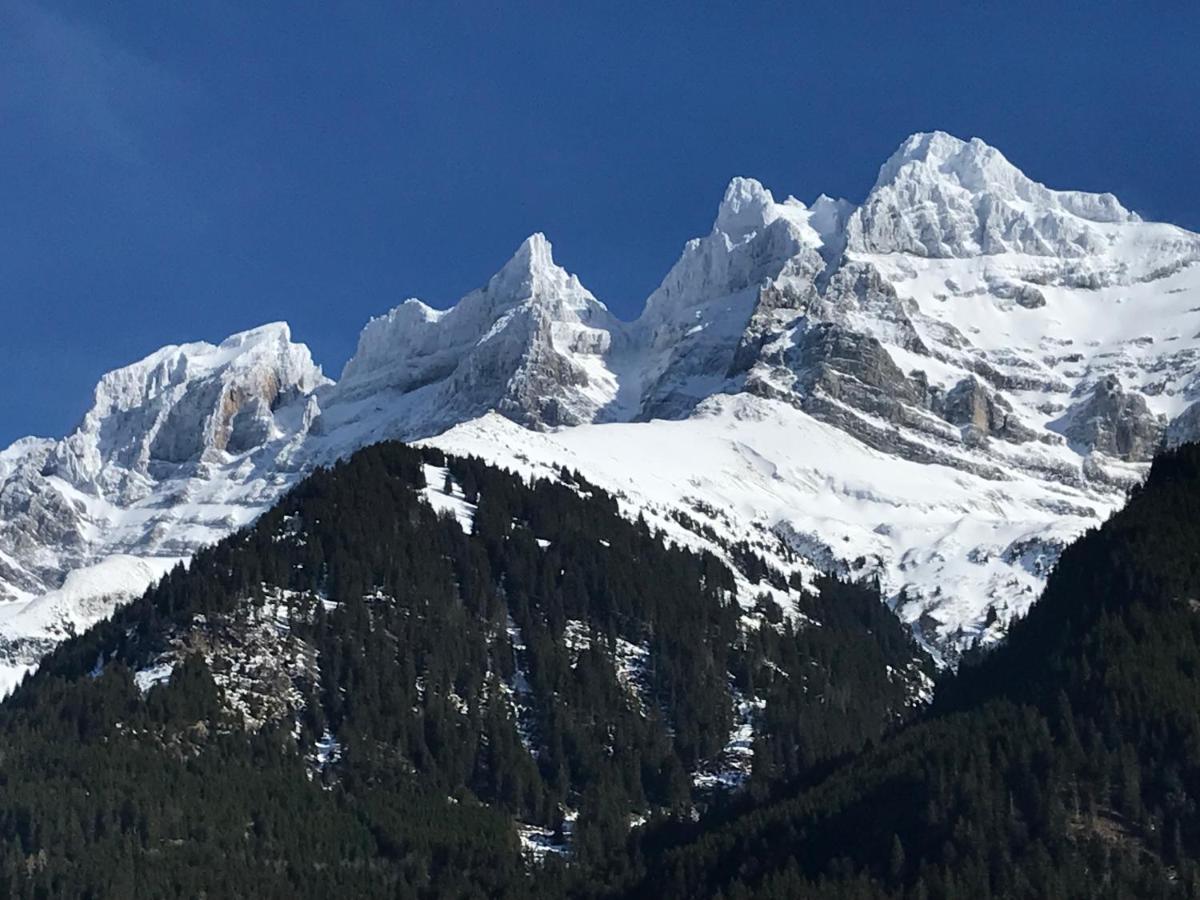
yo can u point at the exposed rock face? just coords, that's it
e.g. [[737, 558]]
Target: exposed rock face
[[859, 297], [1024, 295], [1114, 422], [710, 314], [971, 405], [1185, 427], [178, 406], [158, 435], [776, 307], [849, 367]]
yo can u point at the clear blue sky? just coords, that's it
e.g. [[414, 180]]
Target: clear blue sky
[[180, 171]]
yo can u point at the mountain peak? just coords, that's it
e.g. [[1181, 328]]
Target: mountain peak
[[979, 169], [816, 317], [267, 345], [941, 196], [529, 267], [182, 404], [532, 277], [747, 206], [535, 252], [936, 148], [530, 344], [970, 164], [271, 332]]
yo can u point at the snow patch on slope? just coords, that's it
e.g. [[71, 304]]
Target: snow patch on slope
[[451, 501], [87, 596], [767, 470]]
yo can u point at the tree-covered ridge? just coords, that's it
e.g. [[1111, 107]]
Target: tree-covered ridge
[[357, 694], [1066, 763]]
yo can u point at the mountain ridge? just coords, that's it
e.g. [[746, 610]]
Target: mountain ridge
[[1026, 349]]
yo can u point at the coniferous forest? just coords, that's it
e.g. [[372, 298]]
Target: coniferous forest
[[358, 696]]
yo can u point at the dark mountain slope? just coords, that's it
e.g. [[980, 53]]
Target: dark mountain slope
[[1064, 764], [358, 697]]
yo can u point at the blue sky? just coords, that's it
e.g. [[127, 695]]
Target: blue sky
[[173, 172]]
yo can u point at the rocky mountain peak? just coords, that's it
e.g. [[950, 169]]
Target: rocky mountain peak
[[979, 168], [531, 343], [941, 196], [746, 207], [182, 404], [972, 163], [532, 274], [693, 324]]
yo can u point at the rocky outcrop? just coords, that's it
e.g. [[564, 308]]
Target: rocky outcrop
[[1185, 427], [857, 296], [729, 290], [848, 380], [849, 367], [1026, 296], [1113, 421], [981, 413], [777, 307]]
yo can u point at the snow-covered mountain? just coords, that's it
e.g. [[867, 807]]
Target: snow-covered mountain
[[939, 386], [532, 344]]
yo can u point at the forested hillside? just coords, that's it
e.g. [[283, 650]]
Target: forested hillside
[[1064, 764], [418, 676]]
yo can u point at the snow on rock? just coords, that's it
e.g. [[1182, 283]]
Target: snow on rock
[[538, 842], [176, 450], [184, 405], [326, 752], [694, 325], [633, 666], [533, 344], [519, 692], [941, 196], [153, 675], [733, 765], [263, 670]]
